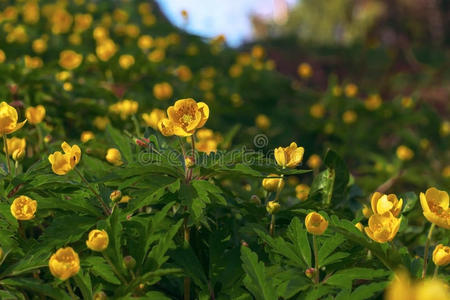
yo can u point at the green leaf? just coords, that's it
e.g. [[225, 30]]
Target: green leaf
[[186, 258], [27, 264], [344, 278], [328, 247], [410, 201], [367, 291], [99, 267], [122, 143], [205, 189], [256, 279], [299, 237], [83, 281], [35, 286]]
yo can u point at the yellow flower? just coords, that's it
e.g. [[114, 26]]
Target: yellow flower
[[272, 207], [315, 223], [262, 122], [125, 199], [16, 147], [314, 161], [23, 208], [289, 157], [404, 153], [126, 61], [441, 255], [366, 211], [87, 136], [101, 122], [272, 183], [33, 62], [2, 56], [446, 172], [435, 207], [431, 289], [407, 102], [382, 203], [184, 73], [39, 46], [82, 22], [63, 163], [317, 111], [145, 42], [351, 90], [257, 51], [445, 128], [400, 287], [349, 117], [61, 21], [30, 12], [304, 70], [152, 119], [64, 264], [360, 226], [63, 76], [124, 108], [8, 119], [302, 192], [115, 195], [373, 102], [100, 34], [106, 49], [156, 55], [69, 59], [114, 157], [162, 91], [98, 240], [35, 115], [185, 116], [383, 228]]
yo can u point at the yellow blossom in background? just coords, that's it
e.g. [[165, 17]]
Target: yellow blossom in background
[[98, 240], [87, 136], [383, 228], [302, 192], [314, 161], [441, 255], [101, 122], [33, 62], [404, 153], [360, 226], [304, 70], [132, 30], [400, 287], [235, 71], [366, 211], [349, 117], [192, 50], [75, 39], [61, 21], [63, 163], [70, 60], [63, 75], [236, 100], [184, 14], [16, 147], [100, 34], [272, 207], [382, 203], [407, 102], [350, 90], [114, 157], [162, 91], [35, 115], [258, 52], [207, 140], [184, 117], [317, 110], [125, 199], [126, 61], [17, 35], [67, 86], [435, 206], [145, 42], [431, 289], [106, 49], [446, 172], [39, 46], [373, 102], [2, 56], [124, 108], [262, 122], [445, 128], [23, 208], [8, 119], [315, 223], [272, 183], [289, 157], [157, 55], [64, 264], [152, 119], [82, 22], [184, 73], [30, 12]]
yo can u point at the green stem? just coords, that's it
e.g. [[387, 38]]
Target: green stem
[[40, 138], [425, 255], [316, 260], [5, 143], [277, 195], [272, 225], [436, 269], [102, 203], [108, 260], [136, 125], [187, 280], [70, 290]]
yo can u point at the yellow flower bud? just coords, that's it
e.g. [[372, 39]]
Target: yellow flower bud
[[302, 192], [100, 296], [125, 199], [189, 162], [2, 56], [407, 102], [272, 183], [441, 255], [16, 147], [8, 119], [64, 264], [366, 211], [315, 223], [35, 115], [98, 240], [115, 195], [289, 157], [373, 102], [272, 207], [114, 157], [382, 203], [445, 128], [383, 228], [404, 153], [129, 262], [435, 205], [145, 42], [23, 208], [360, 226], [87, 136]]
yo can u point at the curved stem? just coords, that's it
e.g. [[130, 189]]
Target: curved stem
[[272, 226], [70, 290], [102, 203], [5, 143], [425, 255], [187, 280], [316, 260], [108, 260], [436, 269]]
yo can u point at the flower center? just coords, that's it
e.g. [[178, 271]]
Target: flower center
[[186, 119]]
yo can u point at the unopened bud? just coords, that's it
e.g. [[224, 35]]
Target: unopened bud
[[115, 195], [272, 207], [129, 262], [244, 243], [189, 162], [255, 199], [100, 296], [310, 272], [18, 154]]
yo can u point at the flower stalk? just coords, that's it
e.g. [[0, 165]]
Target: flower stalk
[[427, 247], [106, 210], [316, 260], [5, 142]]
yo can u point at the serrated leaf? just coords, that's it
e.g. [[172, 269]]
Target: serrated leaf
[[99, 267]]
